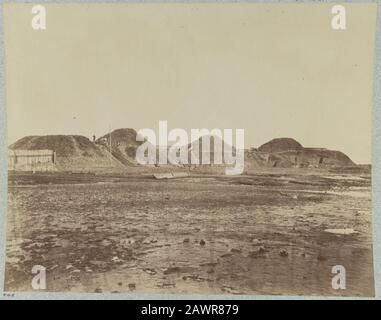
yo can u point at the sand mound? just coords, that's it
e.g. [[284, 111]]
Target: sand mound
[[287, 153], [73, 152], [123, 144], [65, 146], [216, 144], [280, 144]]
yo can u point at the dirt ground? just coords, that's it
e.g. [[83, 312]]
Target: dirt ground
[[256, 234]]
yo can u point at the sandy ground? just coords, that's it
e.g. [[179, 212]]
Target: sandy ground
[[257, 234]]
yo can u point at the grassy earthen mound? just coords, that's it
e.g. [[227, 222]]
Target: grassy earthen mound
[[123, 144], [73, 152], [280, 144]]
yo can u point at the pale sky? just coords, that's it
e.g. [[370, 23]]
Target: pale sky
[[275, 70]]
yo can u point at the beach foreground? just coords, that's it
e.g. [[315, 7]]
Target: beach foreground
[[264, 233]]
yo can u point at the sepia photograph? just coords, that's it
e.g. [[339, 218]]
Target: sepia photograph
[[189, 148]]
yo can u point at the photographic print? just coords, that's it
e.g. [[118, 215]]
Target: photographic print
[[189, 148]]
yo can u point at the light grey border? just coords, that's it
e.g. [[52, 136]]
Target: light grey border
[[376, 170]]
